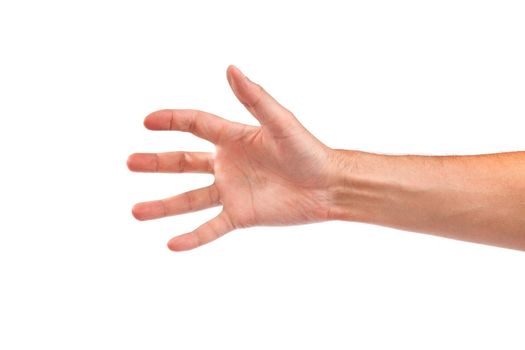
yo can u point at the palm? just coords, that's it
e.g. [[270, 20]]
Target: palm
[[268, 175], [257, 184]]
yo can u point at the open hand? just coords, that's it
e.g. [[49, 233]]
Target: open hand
[[273, 174]]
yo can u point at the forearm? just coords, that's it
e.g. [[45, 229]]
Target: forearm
[[478, 198]]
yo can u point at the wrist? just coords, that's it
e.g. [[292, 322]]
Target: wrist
[[364, 187], [344, 163]]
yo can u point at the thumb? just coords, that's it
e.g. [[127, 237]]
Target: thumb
[[272, 115]]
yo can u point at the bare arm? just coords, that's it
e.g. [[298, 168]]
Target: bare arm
[[278, 173], [478, 198]]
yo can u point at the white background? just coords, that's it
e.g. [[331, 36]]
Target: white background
[[76, 80]]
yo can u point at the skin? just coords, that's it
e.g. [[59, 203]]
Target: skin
[[278, 173]]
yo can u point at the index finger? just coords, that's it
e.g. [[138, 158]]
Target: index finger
[[202, 124]]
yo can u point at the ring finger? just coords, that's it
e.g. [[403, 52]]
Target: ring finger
[[202, 198]]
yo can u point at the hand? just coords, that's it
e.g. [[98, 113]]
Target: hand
[[273, 174]]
